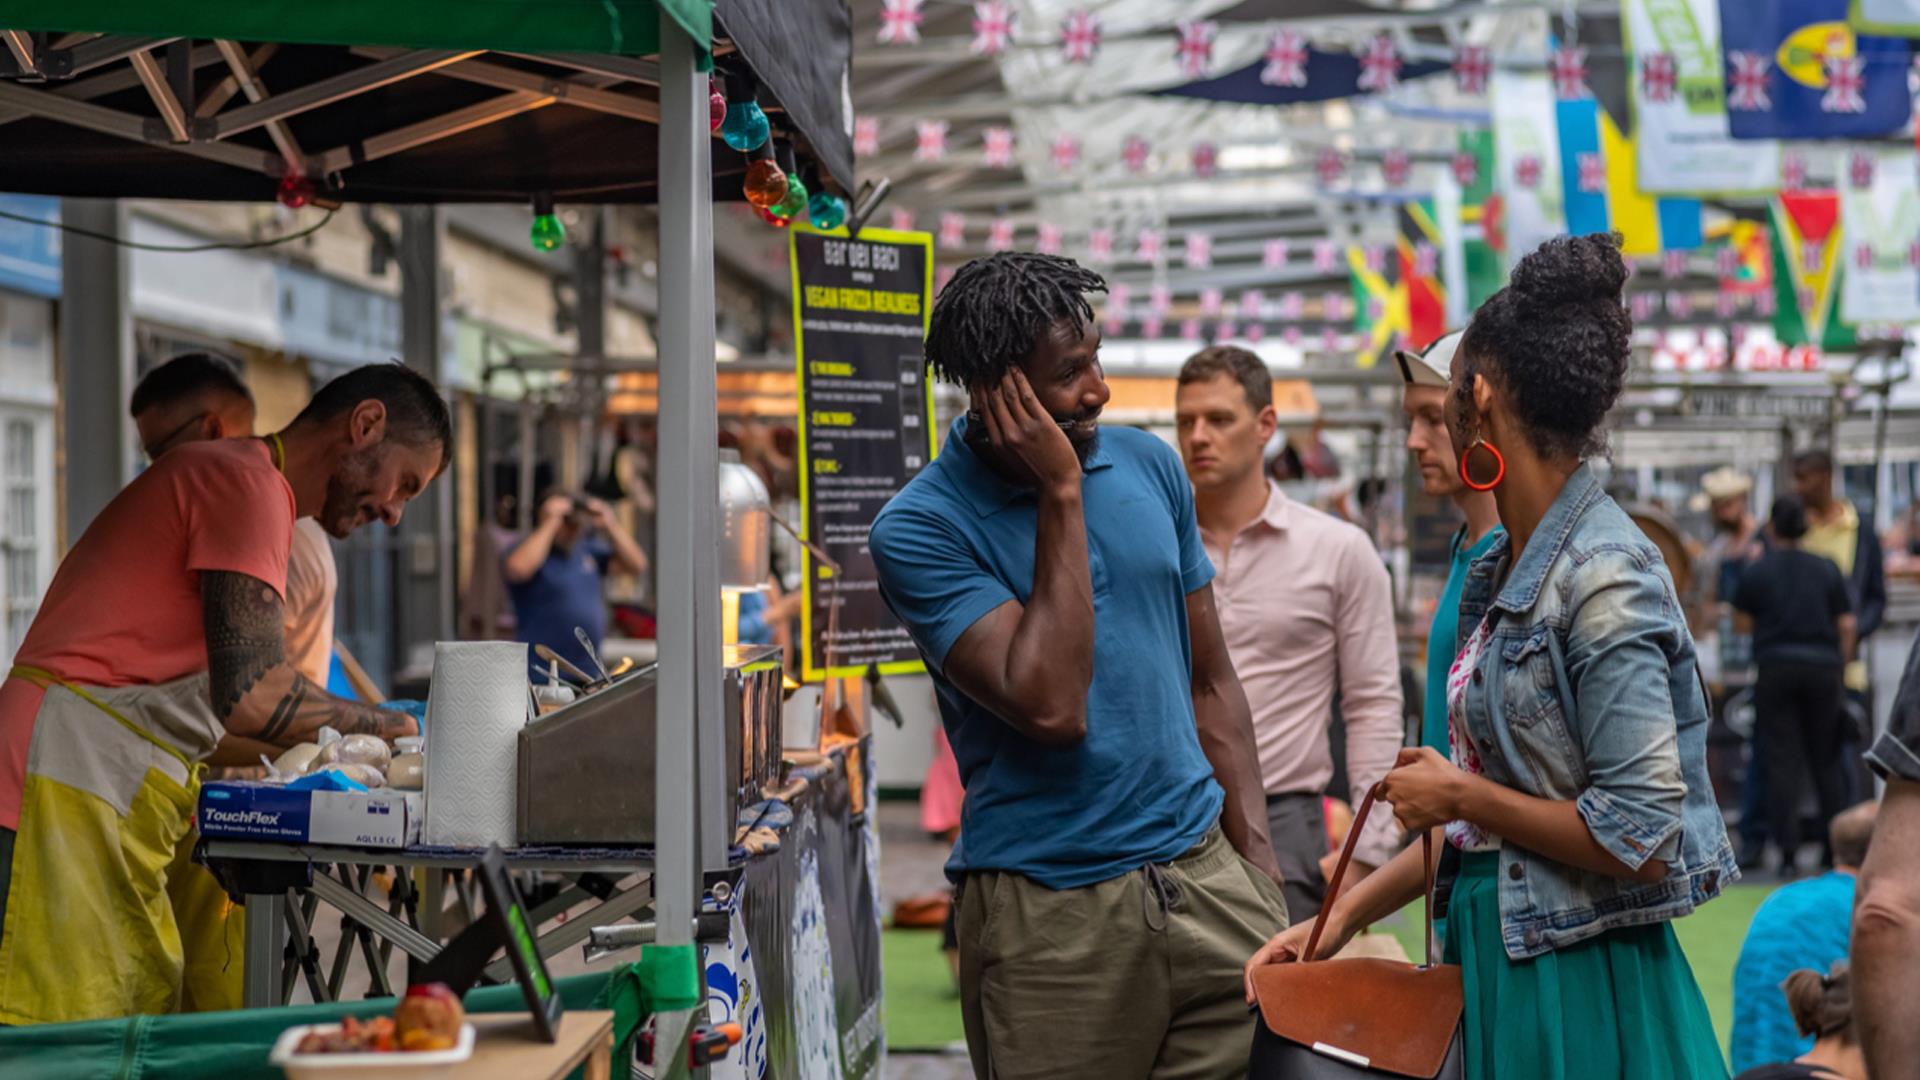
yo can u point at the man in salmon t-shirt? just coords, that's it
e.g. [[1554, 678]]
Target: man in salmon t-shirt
[[160, 635]]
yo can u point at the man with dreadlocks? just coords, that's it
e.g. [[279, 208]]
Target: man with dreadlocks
[[1055, 582]]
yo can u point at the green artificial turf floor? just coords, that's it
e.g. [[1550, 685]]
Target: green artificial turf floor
[[923, 1009]]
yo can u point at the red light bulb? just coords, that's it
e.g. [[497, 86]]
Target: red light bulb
[[716, 106], [295, 191]]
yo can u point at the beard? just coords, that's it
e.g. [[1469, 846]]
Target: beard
[[1083, 444], [349, 490]]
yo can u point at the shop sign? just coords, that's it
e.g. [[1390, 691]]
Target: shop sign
[[860, 309]]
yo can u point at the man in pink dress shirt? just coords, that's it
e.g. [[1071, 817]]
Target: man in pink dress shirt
[[1307, 609]]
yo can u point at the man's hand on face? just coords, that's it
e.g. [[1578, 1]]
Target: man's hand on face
[[555, 508], [1029, 438], [598, 512]]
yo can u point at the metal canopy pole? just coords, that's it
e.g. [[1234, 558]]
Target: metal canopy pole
[[96, 359], [689, 634]]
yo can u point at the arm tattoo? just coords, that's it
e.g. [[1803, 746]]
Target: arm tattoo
[[245, 640]]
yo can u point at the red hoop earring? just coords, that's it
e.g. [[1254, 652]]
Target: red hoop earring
[[1499, 465]]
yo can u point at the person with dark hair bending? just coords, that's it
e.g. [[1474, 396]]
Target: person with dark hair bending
[[1576, 789], [1803, 632], [1823, 1011], [161, 638], [1053, 578]]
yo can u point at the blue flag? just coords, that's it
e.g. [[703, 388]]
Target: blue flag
[[1796, 70]]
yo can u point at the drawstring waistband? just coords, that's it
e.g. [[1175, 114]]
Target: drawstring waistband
[[1161, 887]]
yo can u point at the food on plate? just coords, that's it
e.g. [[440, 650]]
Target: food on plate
[[429, 1018], [375, 1036], [357, 750]]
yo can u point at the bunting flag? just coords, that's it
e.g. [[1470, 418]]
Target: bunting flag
[[1416, 255], [1206, 159], [1380, 307], [1598, 159], [1881, 220], [997, 147], [930, 140], [1291, 71], [953, 230], [1472, 67], [1822, 80], [1679, 105], [1119, 296], [866, 136], [1134, 153], [992, 28], [1147, 246], [1273, 255], [1197, 251], [1000, 235], [900, 22], [1080, 36], [1100, 246], [1807, 237], [1047, 239], [1526, 146], [1194, 48], [900, 219], [1211, 301], [1066, 152]]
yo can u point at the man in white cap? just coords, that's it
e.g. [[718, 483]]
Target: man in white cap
[[1737, 543], [1427, 375]]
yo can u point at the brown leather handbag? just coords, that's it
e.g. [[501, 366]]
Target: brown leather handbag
[[1344, 1019]]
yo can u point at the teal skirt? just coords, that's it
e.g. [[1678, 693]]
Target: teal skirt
[[1623, 1004]]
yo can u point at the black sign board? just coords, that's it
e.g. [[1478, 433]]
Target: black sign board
[[860, 309]]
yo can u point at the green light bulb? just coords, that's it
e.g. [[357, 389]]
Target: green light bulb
[[828, 212], [795, 201], [548, 233]]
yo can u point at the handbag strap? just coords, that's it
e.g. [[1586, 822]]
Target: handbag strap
[[1340, 873]]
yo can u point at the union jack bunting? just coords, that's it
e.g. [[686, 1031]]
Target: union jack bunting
[[1147, 245], [1047, 239], [1292, 335], [1254, 333], [1334, 306], [1292, 305], [1395, 167], [1466, 169], [1113, 326], [1190, 329], [1593, 172], [1286, 60], [1641, 305], [1150, 327], [1210, 302], [1425, 259], [1194, 49], [953, 230], [1793, 172], [1225, 331], [1273, 255], [1860, 169], [1134, 153], [931, 140], [1724, 303], [1472, 67], [1764, 303], [1100, 246], [1250, 304], [992, 28], [1811, 254], [1066, 152], [1080, 36], [1198, 251], [1326, 257], [1679, 304], [1000, 235], [997, 147], [1380, 65], [1726, 261], [866, 136], [1329, 340], [1206, 158], [1331, 165], [1657, 76], [1526, 171], [1119, 296], [900, 22], [1749, 78], [1160, 299], [900, 219], [1673, 263], [1863, 256], [1846, 83], [1570, 72], [1375, 257], [1913, 253]]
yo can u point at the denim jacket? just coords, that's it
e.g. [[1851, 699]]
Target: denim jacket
[[1588, 690]]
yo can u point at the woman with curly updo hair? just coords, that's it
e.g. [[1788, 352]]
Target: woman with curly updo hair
[[1575, 798]]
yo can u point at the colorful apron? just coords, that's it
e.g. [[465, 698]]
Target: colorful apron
[[112, 774]]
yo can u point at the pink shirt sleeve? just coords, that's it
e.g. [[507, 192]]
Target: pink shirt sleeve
[[1369, 667], [239, 518]]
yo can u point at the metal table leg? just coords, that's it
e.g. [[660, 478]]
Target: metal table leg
[[266, 934]]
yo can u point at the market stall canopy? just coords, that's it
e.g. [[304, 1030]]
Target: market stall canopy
[[426, 101]]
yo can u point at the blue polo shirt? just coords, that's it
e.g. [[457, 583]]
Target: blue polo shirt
[[957, 543], [567, 591]]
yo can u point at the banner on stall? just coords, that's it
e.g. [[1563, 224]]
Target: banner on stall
[[1526, 150], [1679, 104], [1881, 224], [860, 311], [1814, 77], [1897, 18], [1807, 236]]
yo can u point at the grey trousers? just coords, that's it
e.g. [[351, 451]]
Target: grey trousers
[[1297, 825]]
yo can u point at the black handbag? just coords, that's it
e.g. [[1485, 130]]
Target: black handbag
[[1347, 1019]]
